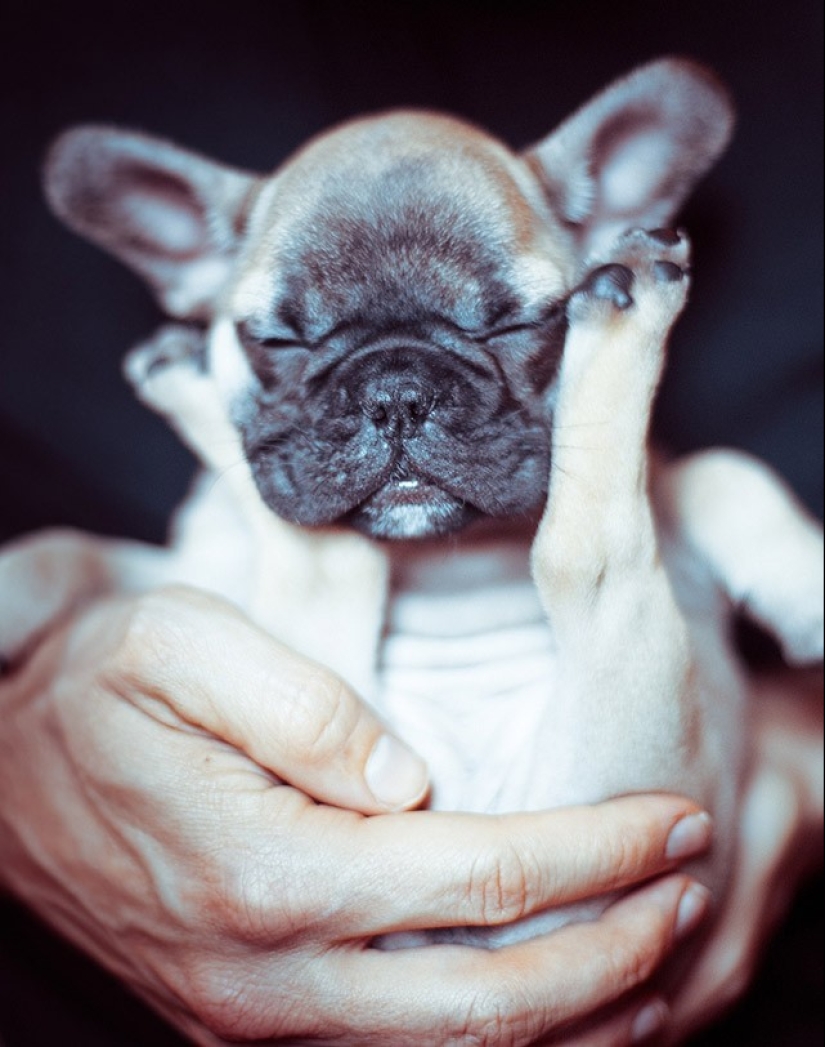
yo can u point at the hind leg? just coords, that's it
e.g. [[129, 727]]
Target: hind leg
[[763, 549], [44, 576]]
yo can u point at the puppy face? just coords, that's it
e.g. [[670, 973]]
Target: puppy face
[[397, 329], [387, 310]]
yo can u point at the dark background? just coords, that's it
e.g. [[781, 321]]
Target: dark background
[[247, 81]]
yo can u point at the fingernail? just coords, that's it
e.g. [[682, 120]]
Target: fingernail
[[689, 836], [395, 776], [693, 907], [649, 1021]]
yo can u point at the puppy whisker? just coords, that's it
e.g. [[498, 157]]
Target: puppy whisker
[[580, 425], [223, 473]]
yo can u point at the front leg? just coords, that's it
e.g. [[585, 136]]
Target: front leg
[[624, 650]]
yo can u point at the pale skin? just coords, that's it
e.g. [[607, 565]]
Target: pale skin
[[142, 818]]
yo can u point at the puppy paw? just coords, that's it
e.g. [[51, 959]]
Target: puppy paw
[[170, 346], [644, 278], [156, 367], [805, 649], [803, 635]]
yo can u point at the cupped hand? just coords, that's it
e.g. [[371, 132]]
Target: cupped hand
[[143, 813], [780, 844]]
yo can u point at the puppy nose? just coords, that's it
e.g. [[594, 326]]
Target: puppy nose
[[397, 406]]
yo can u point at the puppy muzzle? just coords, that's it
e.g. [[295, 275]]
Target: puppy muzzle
[[399, 440], [398, 390]]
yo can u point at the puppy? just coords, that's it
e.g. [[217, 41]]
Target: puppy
[[418, 368]]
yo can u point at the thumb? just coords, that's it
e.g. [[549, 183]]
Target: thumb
[[213, 668]]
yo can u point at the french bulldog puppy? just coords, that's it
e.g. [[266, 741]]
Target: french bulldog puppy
[[418, 368]]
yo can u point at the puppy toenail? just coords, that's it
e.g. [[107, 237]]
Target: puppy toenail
[[665, 237], [667, 272]]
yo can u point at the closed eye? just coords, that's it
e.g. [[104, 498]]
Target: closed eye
[[551, 313], [500, 332], [251, 338], [277, 343]]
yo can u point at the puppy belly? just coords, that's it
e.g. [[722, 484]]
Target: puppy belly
[[467, 676], [478, 723]]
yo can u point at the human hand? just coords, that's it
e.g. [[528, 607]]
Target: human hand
[[780, 843], [141, 815]]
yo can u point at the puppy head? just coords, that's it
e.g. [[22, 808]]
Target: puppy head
[[386, 311]]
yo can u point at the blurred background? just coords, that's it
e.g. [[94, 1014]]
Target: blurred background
[[247, 81]]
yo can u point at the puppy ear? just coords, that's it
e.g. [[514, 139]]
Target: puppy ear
[[174, 217], [630, 156]]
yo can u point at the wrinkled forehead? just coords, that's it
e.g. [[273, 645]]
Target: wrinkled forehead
[[403, 216]]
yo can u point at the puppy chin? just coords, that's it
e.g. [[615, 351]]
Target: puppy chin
[[410, 509]]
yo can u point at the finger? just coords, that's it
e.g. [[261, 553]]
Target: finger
[[638, 1023], [724, 971], [513, 996], [208, 664], [423, 869]]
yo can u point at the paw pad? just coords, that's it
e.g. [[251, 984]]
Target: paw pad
[[667, 272], [642, 261], [665, 237], [610, 283]]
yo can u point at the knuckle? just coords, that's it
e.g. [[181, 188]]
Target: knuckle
[[247, 901], [502, 885], [633, 959], [640, 962], [151, 625], [621, 857], [496, 1017], [236, 899], [323, 716]]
